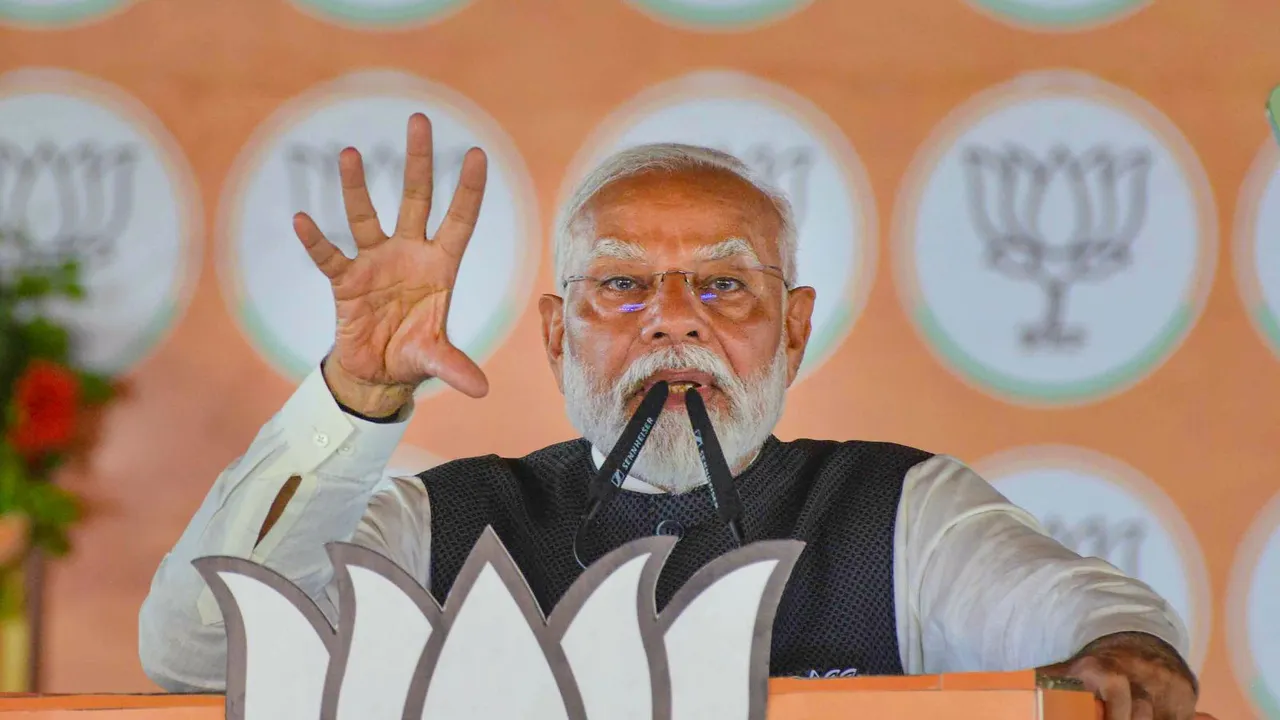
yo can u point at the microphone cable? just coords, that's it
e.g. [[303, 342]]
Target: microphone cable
[[608, 479], [724, 493]]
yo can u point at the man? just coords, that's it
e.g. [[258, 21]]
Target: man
[[673, 265]]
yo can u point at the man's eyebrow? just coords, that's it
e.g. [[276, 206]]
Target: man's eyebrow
[[617, 249], [731, 247]]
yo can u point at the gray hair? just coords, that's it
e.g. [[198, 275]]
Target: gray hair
[[572, 244]]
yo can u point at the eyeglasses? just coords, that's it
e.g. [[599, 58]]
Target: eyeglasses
[[732, 290]]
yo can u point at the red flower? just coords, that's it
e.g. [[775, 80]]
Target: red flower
[[47, 398]]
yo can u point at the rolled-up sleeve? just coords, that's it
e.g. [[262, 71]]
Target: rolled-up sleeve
[[341, 495], [986, 588]]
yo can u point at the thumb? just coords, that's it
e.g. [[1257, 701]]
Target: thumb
[[456, 369]]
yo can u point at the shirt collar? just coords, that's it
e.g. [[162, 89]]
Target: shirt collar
[[630, 483]]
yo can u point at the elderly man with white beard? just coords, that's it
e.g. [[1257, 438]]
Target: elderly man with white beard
[[674, 265]]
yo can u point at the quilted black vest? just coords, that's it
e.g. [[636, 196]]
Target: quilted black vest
[[837, 612]]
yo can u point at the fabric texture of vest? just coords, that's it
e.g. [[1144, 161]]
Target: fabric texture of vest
[[837, 613]]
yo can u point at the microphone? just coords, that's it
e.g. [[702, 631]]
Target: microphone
[[724, 494], [608, 480]]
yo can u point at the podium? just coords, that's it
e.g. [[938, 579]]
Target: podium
[[989, 696]]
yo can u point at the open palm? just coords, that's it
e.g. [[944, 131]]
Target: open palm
[[393, 297]]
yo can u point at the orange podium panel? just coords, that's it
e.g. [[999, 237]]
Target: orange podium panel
[[989, 696]]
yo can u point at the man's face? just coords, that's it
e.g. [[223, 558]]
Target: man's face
[[732, 330]]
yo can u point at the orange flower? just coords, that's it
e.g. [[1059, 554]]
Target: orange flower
[[47, 398]]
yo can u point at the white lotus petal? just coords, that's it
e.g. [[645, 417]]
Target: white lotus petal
[[491, 665], [709, 646], [285, 658], [388, 634], [606, 652]]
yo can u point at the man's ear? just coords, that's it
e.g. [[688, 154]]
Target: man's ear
[[551, 307], [799, 323]]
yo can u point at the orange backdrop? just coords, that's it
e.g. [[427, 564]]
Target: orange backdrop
[[1041, 229]]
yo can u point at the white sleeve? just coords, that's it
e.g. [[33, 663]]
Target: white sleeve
[[982, 587], [342, 495]]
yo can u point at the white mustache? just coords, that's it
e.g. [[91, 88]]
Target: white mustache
[[679, 357], [597, 408]]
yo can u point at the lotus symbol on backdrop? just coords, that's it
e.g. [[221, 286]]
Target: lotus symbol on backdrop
[[604, 652], [1117, 542], [1070, 218], [67, 201], [786, 168], [315, 186]]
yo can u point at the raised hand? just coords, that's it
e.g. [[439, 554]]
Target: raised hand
[[393, 298]]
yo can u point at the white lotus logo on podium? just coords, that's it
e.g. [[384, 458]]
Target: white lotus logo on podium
[[604, 652]]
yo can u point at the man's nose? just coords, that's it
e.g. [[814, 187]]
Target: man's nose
[[675, 313]]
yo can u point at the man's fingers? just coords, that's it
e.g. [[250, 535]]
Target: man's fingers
[[415, 205], [457, 370], [1112, 688], [460, 221], [328, 258], [1114, 691], [361, 217], [1143, 710]]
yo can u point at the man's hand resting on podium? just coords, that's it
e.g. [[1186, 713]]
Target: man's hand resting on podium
[[393, 297], [1137, 677]]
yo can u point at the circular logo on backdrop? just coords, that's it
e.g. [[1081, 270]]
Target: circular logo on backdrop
[[1061, 14], [1257, 244], [87, 172], [789, 143], [55, 12], [282, 301], [1099, 507], [719, 14], [1254, 617], [1055, 240], [382, 12]]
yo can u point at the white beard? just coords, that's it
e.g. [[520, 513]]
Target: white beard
[[670, 459]]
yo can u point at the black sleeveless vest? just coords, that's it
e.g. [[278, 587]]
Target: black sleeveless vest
[[837, 613]]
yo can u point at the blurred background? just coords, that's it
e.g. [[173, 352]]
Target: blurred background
[[1045, 236]]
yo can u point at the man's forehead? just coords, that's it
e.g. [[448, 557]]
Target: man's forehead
[[684, 213]]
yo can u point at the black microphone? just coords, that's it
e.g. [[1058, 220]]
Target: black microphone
[[614, 470], [723, 492]]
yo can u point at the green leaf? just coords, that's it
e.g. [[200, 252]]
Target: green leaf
[[95, 389], [48, 504], [69, 279], [13, 475], [54, 540], [70, 269], [46, 339], [31, 285], [8, 414]]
